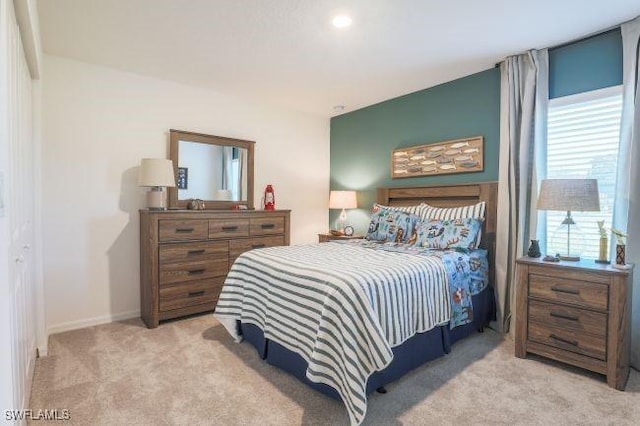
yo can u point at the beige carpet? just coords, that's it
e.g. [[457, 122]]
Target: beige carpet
[[190, 372]]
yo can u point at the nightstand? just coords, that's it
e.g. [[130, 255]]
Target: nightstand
[[323, 238], [577, 313]]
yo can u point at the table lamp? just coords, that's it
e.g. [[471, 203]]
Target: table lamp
[[158, 174], [569, 195], [342, 200]]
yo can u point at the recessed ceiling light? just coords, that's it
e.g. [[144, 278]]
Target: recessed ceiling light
[[341, 21]]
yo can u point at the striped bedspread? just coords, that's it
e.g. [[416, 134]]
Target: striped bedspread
[[342, 307]]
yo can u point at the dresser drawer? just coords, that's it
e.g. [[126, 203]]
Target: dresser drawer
[[569, 340], [195, 270], [228, 228], [237, 247], [181, 230], [192, 293], [580, 293], [267, 226], [188, 252], [567, 317]]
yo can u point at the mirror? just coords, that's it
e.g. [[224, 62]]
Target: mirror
[[215, 169]]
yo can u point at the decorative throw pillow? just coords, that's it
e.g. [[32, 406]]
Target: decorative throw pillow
[[448, 234], [389, 225], [474, 211]]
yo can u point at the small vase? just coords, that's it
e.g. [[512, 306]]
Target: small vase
[[604, 250], [534, 249], [620, 254]]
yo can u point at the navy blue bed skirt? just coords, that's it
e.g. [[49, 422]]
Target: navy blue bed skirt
[[417, 350]]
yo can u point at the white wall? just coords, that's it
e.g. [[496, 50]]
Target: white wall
[[97, 124]]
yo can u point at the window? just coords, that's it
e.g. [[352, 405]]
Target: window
[[583, 139]]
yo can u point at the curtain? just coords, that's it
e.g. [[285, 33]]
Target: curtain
[[227, 170], [626, 211], [243, 189], [523, 131]]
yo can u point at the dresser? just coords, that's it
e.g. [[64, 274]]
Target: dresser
[[185, 255], [577, 313]]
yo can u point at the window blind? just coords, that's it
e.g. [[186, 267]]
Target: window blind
[[582, 142]]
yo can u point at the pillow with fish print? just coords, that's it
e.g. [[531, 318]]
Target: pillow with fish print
[[449, 233], [392, 226]]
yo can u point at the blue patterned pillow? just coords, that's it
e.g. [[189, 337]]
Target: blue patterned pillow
[[391, 225], [449, 233]]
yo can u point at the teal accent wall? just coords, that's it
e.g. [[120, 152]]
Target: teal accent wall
[[362, 141], [589, 64]]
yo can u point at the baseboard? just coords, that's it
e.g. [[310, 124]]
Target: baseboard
[[89, 322]]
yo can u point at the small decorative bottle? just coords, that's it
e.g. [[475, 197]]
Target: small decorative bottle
[[620, 246]]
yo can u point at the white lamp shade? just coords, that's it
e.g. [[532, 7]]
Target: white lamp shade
[[580, 195], [342, 200], [156, 172]]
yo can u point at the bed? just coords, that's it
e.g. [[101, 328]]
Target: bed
[[327, 313]]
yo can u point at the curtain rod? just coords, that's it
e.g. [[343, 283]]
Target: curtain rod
[[577, 40]]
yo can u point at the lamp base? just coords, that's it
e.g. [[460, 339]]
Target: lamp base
[[156, 199]]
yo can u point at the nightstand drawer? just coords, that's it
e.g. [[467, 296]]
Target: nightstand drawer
[[580, 293], [181, 230], [573, 341], [181, 295], [575, 319]]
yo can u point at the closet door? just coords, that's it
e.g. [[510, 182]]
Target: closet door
[[17, 208]]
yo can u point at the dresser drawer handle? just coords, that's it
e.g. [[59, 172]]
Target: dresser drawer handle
[[565, 290], [184, 230], [268, 226], [255, 246], [196, 271], [196, 293], [191, 252], [229, 228], [560, 339], [563, 316]]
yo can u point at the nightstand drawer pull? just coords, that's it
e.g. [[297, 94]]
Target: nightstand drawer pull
[[255, 246], [560, 339], [563, 316], [184, 230], [196, 293], [191, 252], [229, 228], [268, 226], [565, 290], [196, 271]]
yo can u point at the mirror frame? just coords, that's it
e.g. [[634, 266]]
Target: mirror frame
[[178, 135]]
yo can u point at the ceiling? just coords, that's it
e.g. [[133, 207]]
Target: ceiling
[[287, 51]]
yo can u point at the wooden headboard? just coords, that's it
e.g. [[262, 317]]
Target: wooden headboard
[[452, 196]]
